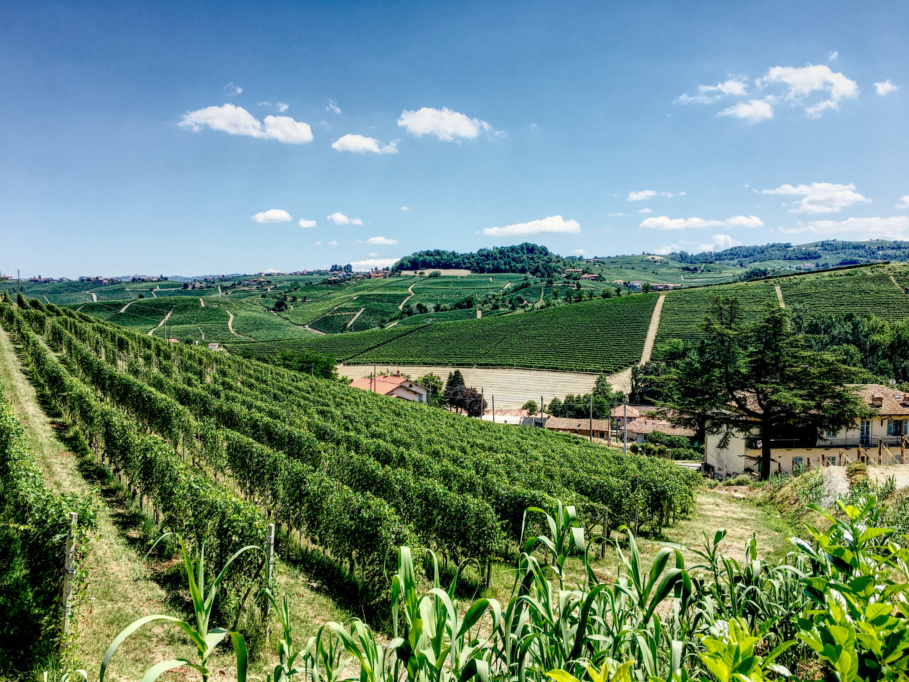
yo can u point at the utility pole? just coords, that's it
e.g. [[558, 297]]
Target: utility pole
[[18, 281], [493, 409], [625, 424], [482, 403], [591, 416]]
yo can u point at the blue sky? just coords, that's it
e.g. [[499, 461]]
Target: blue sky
[[206, 137]]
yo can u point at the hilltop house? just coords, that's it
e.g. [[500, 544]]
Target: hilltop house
[[619, 413], [877, 439], [395, 386], [579, 427]]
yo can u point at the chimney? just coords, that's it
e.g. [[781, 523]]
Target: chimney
[[877, 400]]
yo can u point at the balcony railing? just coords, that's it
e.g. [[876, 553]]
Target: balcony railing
[[754, 443]]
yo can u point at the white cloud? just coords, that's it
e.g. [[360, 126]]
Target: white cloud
[[281, 107], [670, 195], [358, 144], [903, 203], [885, 87], [378, 241], [307, 223], [370, 263], [405, 208], [803, 81], [721, 242], [580, 252], [711, 93], [333, 107], [333, 243], [896, 227], [665, 223], [232, 90], [640, 196], [236, 120], [667, 249], [444, 123], [545, 226], [646, 210], [753, 110], [616, 215], [833, 56], [273, 215], [744, 221], [821, 197], [318, 243], [341, 219], [374, 254]]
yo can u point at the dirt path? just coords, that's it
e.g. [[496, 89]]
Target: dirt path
[[46, 299], [161, 323], [202, 333], [507, 284], [410, 291], [350, 324], [388, 326], [80, 307], [230, 326], [201, 301], [94, 296], [154, 295], [835, 484], [314, 331], [123, 309], [652, 331], [779, 295], [221, 293], [900, 473], [896, 284]]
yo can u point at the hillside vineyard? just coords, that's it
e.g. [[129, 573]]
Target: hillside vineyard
[[217, 442]]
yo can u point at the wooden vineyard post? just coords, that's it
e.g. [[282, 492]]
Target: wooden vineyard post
[[69, 558], [269, 573]]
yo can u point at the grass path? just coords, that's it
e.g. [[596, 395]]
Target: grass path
[[779, 295], [152, 331]]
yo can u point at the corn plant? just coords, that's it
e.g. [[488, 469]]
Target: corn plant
[[206, 639]]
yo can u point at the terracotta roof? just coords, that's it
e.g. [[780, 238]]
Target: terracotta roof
[[383, 384], [619, 412], [645, 426], [563, 424], [892, 401]]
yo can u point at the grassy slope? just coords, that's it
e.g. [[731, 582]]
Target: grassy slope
[[122, 587]]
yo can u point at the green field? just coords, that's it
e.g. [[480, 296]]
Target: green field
[[860, 291], [684, 310], [595, 336]]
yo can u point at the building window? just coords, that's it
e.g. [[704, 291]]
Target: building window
[[831, 435], [797, 463], [896, 427]]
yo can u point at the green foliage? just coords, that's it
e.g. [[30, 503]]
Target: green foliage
[[531, 407], [33, 522]]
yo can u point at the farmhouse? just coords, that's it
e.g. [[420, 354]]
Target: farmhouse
[[638, 430], [620, 412], [395, 386], [879, 438], [579, 427], [591, 277]]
